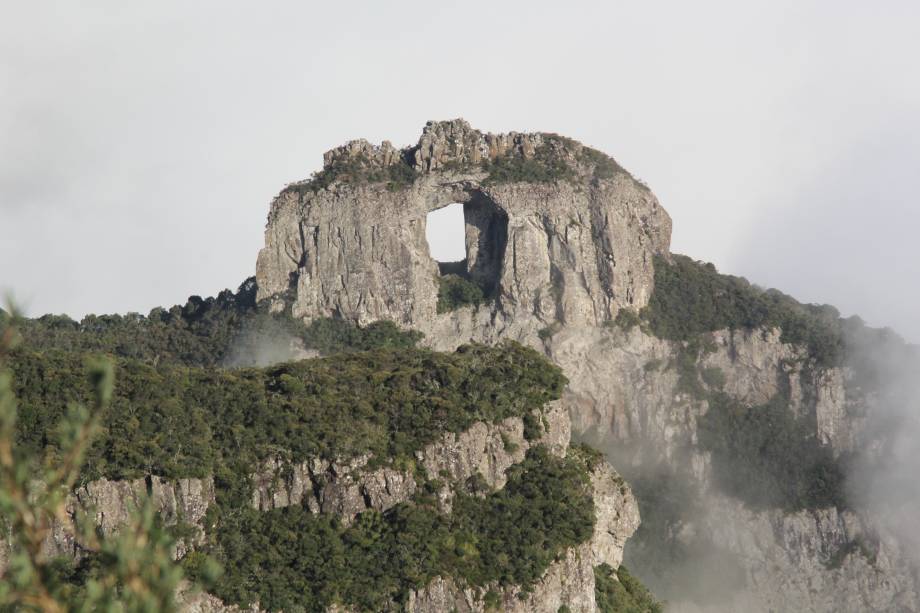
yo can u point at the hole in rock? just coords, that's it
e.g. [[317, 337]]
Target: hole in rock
[[446, 235], [467, 240]]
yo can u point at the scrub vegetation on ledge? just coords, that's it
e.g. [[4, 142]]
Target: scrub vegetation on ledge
[[176, 421], [617, 591], [218, 331], [691, 298], [289, 559], [456, 291], [767, 456]]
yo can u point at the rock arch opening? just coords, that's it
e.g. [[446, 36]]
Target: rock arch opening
[[446, 236], [467, 240]]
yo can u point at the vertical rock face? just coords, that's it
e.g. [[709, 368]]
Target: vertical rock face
[[112, 504], [349, 488], [574, 246]]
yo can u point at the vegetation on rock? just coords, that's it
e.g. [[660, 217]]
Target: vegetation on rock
[[545, 166], [291, 559], [764, 455], [358, 169], [173, 420], [455, 291], [617, 591], [176, 421], [768, 457], [691, 298], [217, 331], [130, 571]]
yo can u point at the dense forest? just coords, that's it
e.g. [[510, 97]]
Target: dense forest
[[229, 330], [179, 410]]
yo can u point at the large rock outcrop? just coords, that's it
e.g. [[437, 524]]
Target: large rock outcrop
[[486, 450], [569, 582], [623, 393], [574, 249]]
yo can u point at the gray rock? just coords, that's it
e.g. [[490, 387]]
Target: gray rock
[[569, 250]]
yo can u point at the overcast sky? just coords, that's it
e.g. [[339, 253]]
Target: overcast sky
[[140, 148]]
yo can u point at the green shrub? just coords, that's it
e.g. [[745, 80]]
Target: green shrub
[[768, 457], [714, 377], [545, 166], [455, 291], [617, 591], [626, 319], [293, 560], [533, 426], [691, 299], [591, 457], [358, 169], [544, 334]]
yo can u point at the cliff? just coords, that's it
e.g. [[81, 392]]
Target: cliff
[[574, 244], [564, 245]]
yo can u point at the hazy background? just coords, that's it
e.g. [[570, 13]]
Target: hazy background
[[140, 147]]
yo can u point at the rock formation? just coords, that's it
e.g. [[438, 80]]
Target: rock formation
[[574, 249], [561, 239]]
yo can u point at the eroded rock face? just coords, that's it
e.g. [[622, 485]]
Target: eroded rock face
[[349, 488], [112, 504], [568, 582], [622, 390], [574, 249]]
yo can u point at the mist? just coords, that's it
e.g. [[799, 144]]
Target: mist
[[883, 480]]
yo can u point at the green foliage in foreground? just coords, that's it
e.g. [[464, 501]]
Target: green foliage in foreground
[[131, 571], [176, 421], [691, 298], [290, 559], [768, 457], [455, 291], [617, 591], [224, 331]]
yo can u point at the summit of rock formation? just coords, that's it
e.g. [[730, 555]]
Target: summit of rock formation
[[554, 231]]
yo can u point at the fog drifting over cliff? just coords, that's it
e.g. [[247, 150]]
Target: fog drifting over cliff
[[141, 145]]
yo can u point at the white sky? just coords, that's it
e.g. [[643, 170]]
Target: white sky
[[140, 147], [445, 231]]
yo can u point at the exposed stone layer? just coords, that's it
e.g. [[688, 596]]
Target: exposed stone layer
[[568, 582], [112, 504], [349, 488]]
